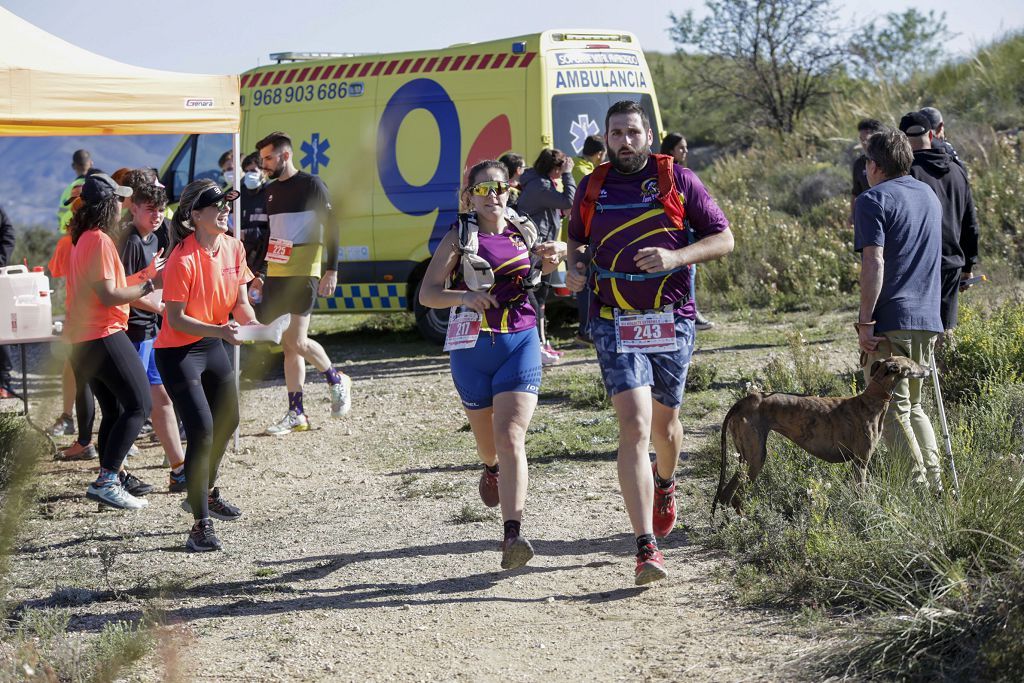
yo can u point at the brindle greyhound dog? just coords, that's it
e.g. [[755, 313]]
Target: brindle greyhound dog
[[833, 429]]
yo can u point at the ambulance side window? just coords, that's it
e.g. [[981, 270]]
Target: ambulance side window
[[176, 176], [209, 149]]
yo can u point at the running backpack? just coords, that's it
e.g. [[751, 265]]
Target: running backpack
[[476, 271], [668, 195]]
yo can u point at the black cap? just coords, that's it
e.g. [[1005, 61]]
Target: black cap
[[210, 196], [915, 123], [98, 186]]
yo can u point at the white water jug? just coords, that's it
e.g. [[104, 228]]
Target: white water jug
[[25, 308]]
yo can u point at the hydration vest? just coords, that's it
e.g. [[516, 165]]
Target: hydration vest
[[667, 194], [476, 271]]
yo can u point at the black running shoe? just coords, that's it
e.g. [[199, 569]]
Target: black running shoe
[[222, 509], [202, 538], [133, 484], [176, 482]]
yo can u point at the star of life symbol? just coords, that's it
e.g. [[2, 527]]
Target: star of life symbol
[[580, 129], [315, 153]]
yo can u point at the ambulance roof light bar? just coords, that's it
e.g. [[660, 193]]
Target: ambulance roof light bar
[[307, 56], [620, 37]]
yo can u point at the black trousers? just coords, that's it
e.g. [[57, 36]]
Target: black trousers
[[112, 367], [201, 384]]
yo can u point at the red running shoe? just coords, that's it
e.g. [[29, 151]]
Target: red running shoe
[[664, 507], [489, 488], [650, 565]]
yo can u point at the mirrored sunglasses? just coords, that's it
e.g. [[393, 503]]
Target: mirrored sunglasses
[[498, 187]]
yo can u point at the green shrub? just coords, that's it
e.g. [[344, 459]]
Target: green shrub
[[983, 348], [701, 376]]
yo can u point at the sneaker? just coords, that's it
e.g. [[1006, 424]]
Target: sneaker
[[77, 451], [202, 538], [489, 488], [548, 358], [650, 565], [62, 426], [7, 392], [664, 507], [552, 350], [291, 422], [516, 551], [133, 484], [221, 508], [176, 482], [147, 428], [114, 495], [702, 323], [133, 452], [341, 397]]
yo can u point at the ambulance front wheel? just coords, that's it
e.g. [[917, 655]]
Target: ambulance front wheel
[[432, 322]]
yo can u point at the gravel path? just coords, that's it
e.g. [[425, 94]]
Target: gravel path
[[358, 557]]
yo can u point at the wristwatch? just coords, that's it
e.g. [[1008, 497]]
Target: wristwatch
[[147, 287]]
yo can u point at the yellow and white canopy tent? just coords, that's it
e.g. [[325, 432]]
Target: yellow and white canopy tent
[[50, 87]]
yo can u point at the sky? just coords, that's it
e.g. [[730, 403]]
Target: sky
[[204, 36]]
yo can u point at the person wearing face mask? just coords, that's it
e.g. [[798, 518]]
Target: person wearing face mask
[[204, 282], [254, 222], [497, 371], [227, 168]]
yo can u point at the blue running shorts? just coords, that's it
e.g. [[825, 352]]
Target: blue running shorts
[[665, 372], [498, 363], [145, 349]]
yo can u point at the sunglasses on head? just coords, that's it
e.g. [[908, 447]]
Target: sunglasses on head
[[498, 187]]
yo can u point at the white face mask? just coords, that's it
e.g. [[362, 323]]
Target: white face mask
[[229, 178], [252, 180]]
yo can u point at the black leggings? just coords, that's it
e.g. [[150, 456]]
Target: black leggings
[[112, 367], [85, 410], [201, 384]]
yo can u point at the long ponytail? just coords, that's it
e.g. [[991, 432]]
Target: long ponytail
[[181, 223]]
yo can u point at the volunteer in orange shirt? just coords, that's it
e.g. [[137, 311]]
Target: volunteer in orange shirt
[[79, 396], [204, 281], [101, 353]]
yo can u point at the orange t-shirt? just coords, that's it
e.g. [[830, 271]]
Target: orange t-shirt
[[206, 283], [93, 258], [59, 262]]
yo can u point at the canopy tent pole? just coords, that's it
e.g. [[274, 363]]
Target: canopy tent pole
[[236, 229]]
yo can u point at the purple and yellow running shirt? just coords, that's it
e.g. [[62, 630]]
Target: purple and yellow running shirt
[[509, 258], [616, 235]]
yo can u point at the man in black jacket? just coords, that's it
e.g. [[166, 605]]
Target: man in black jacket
[[934, 167], [865, 129], [939, 141], [6, 249]]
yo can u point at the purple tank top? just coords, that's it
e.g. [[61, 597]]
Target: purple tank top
[[510, 261]]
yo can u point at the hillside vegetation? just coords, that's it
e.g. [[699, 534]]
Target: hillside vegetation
[[787, 195], [932, 586]]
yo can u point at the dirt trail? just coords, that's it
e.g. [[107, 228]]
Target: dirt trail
[[354, 559]]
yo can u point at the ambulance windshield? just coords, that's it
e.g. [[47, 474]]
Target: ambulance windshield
[[578, 115]]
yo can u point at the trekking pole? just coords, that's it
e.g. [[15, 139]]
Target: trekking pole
[[945, 425]]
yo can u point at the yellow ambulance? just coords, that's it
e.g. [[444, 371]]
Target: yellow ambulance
[[393, 134]]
